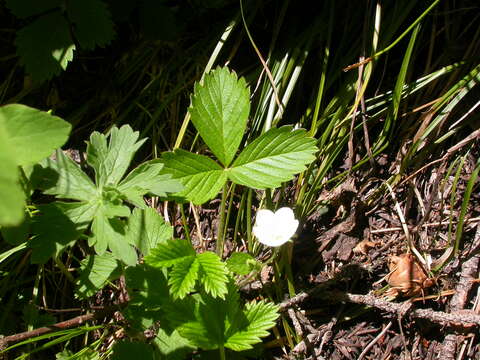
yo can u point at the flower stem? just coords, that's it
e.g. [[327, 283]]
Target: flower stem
[[221, 222]]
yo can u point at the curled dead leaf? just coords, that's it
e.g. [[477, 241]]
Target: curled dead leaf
[[363, 246], [407, 277]]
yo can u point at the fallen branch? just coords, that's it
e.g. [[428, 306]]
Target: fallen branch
[[67, 324], [462, 319]]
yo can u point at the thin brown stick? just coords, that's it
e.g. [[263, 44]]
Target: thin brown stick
[[374, 341], [67, 324]]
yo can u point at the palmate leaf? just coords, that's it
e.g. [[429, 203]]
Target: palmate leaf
[[95, 271], [148, 178], [219, 112], [64, 178], [146, 228], [273, 158], [53, 230], [110, 233], [201, 177], [110, 161], [92, 25]]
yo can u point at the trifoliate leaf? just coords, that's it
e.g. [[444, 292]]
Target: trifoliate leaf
[[273, 158], [111, 161], [54, 232], [219, 111], [147, 178], [242, 263], [202, 177], [92, 24], [32, 134], [146, 228], [183, 276], [95, 271], [64, 178], [213, 274], [45, 46], [211, 320], [148, 291], [170, 253], [27, 8], [260, 317], [12, 197]]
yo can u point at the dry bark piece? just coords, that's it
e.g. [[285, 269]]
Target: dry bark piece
[[407, 277]]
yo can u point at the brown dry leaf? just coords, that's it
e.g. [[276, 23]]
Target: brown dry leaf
[[363, 246], [406, 276]]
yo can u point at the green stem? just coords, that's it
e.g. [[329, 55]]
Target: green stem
[[221, 350], [185, 224], [221, 222]]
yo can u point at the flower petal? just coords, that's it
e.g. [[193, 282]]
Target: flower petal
[[275, 229]]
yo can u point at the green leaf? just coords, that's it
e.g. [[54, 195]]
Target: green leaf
[[126, 350], [92, 25], [242, 263], [32, 134], [183, 277], [95, 271], [111, 161], [64, 178], [219, 111], [54, 232], [202, 177], [170, 253], [81, 213], [213, 274], [148, 290], [172, 346], [273, 158], [260, 317], [27, 8], [146, 228], [147, 178], [16, 235], [45, 46], [211, 319], [110, 233], [12, 197]]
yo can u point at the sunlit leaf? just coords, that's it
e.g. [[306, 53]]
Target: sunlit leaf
[[201, 177], [219, 111], [273, 158]]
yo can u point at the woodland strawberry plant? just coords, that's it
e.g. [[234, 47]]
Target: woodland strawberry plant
[[194, 297]]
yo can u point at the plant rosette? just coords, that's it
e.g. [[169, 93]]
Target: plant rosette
[[275, 228]]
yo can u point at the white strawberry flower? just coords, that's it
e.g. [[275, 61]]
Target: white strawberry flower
[[275, 228]]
